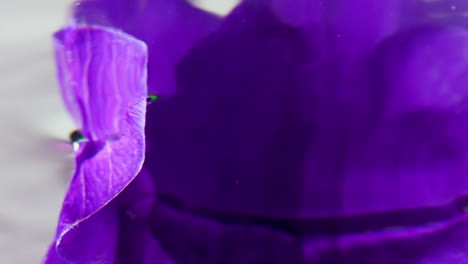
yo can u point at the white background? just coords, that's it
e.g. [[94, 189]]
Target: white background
[[34, 164]]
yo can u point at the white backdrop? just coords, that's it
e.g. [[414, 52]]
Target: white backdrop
[[34, 166]]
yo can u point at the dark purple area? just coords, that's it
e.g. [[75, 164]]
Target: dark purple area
[[337, 137]]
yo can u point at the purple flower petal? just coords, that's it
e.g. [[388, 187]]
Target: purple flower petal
[[236, 122], [136, 242], [417, 152], [267, 124], [192, 238], [294, 133], [102, 74], [436, 243], [91, 62], [446, 13], [169, 28]]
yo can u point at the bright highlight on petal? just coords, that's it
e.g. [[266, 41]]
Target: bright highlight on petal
[[217, 7]]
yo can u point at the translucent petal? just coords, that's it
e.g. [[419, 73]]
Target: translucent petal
[[102, 74]]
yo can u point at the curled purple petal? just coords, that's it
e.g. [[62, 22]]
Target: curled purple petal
[[169, 28], [91, 62], [102, 74]]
